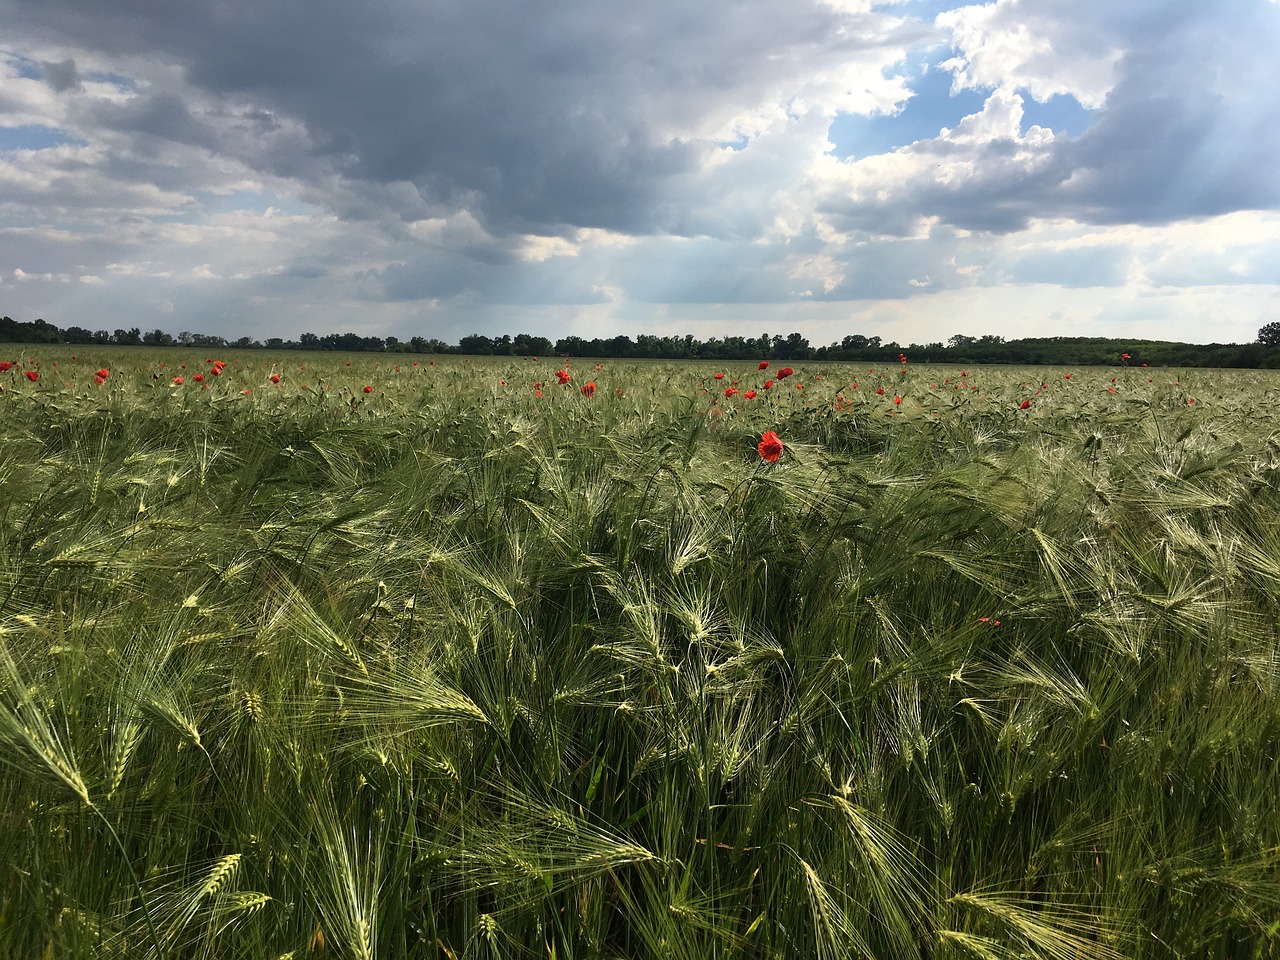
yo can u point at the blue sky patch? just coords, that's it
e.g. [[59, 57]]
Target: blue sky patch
[[1061, 114], [34, 137], [920, 9], [931, 109]]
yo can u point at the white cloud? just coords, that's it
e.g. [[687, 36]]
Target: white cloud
[[1035, 45]]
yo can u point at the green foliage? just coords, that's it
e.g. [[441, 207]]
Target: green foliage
[[450, 669]]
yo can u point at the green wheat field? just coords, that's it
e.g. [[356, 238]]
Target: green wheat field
[[398, 658]]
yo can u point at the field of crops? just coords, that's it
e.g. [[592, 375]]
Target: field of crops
[[400, 658]]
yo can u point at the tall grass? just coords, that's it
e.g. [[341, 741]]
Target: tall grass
[[451, 670]]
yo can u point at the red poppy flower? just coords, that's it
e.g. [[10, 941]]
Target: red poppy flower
[[368, 389], [768, 384], [275, 378], [770, 446], [103, 373], [764, 365], [719, 376], [750, 394], [785, 372], [5, 366], [198, 378], [730, 391], [562, 376], [880, 391], [538, 394], [178, 381], [99, 380], [589, 389], [898, 401], [32, 376], [1025, 405]]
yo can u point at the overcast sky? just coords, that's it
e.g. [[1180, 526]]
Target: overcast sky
[[910, 169]]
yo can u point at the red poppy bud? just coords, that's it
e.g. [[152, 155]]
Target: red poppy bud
[[368, 389], [764, 365], [32, 375]]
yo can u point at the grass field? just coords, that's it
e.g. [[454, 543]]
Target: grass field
[[403, 659]]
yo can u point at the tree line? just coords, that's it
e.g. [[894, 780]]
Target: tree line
[[1264, 352]]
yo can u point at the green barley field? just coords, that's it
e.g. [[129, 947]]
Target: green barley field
[[408, 659]]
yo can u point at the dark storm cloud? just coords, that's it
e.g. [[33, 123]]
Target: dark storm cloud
[[1185, 133], [62, 76], [535, 116]]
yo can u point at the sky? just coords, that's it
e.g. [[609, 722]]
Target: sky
[[909, 169]]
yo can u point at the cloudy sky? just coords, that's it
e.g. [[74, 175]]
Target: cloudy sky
[[910, 169]]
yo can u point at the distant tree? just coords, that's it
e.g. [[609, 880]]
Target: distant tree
[[1269, 335], [527, 345], [795, 347], [37, 331], [157, 338], [476, 344], [571, 346], [1249, 356]]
